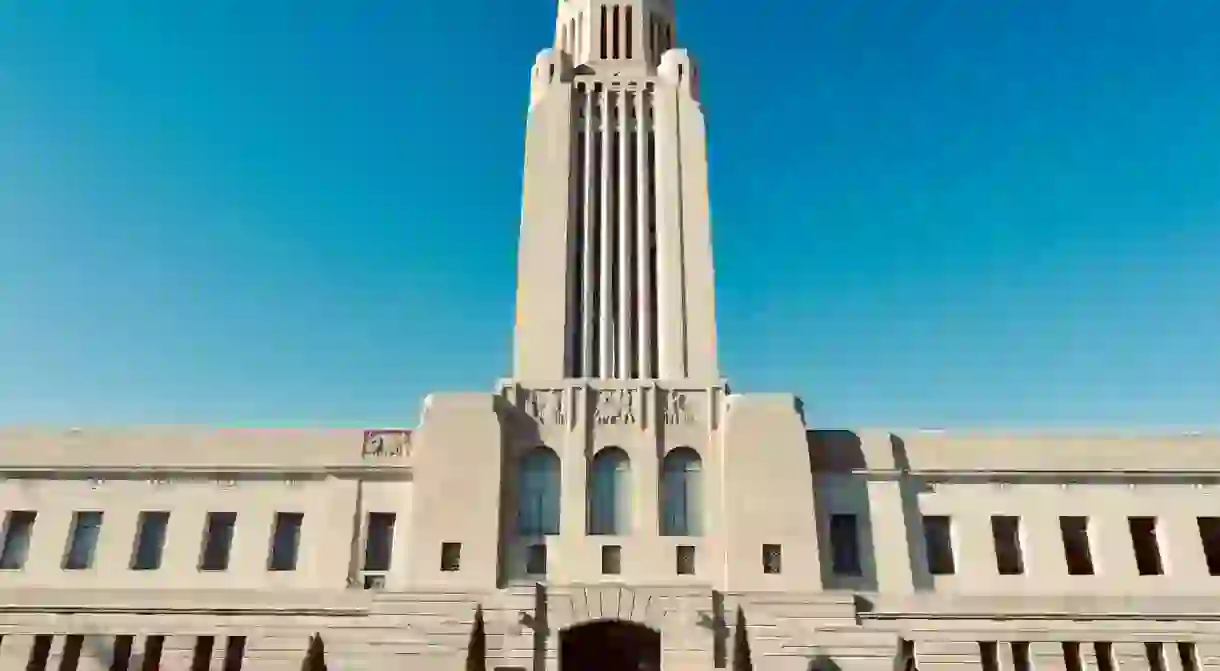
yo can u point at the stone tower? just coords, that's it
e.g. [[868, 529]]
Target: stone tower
[[615, 262]]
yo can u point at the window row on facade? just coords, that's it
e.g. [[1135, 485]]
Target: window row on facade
[[120, 653], [1006, 532], [609, 493], [1076, 656], [216, 543]]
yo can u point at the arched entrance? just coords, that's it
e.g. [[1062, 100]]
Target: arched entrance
[[609, 645]]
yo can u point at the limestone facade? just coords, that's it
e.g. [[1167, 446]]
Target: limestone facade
[[614, 478]]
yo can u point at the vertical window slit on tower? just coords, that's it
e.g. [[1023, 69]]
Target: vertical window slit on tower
[[630, 29], [617, 32], [653, 345], [595, 243], [603, 30], [631, 187], [575, 344], [612, 221]]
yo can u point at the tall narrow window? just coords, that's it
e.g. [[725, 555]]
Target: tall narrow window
[[69, 659], [603, 26], [82, 540], [610, 493], [1071, 657], [1209, 536], [40, 652], [18, 529], [150, 540], [1104, 652], [235, 653], [120, 655], [1020, 656], [616, 31], [1006, 532], [1075, 532], [1186, 655], [1155, 654], [938, 541], [538, 502], [630, 27], [1147, 549], [285, 541], [201, 659], [379, 542], [153, 645], [845, 545], [989, 656], [681, 472], [217, 541]]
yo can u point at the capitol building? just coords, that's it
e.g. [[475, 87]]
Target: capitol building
[[614, 504]]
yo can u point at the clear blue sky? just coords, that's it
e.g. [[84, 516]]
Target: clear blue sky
[[926, 212]]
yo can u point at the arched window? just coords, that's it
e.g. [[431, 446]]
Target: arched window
[[681, 473], [610, 493], [538, 497]]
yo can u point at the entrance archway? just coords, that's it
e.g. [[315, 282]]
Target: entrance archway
[[609, 645]]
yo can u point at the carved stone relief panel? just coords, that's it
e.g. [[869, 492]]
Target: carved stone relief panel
[[384, 444], [681, 407], [616, 407], [546, 406]]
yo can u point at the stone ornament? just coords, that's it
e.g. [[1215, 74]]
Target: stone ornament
[[615, 407], [386, 443], [546, 406], [678, 409]]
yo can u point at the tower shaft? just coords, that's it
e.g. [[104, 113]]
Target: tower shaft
[[615, 276]]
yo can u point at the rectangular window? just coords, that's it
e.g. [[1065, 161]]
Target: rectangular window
[[535, 559], [772, 558], [686, 559], [1006, 532], [845, 545], [40, 652], [73, 644], [1155, 653], [612, 559], [1186, 654], [1075, 533], [1209, 536], [379, 542], [1071, 657], [989, 656], [82, 540], [153, 645], [150, 540], [1144, 541], [217, 541], [451, 557], [201, 660], [285, 541], [18, 530], [1020, 656], [120, 658], [938, 542], [1105, 656], [235, 653]]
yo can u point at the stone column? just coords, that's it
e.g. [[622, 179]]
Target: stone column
[[948, 656], [15, 652], [1130, 656], [1046, 656]]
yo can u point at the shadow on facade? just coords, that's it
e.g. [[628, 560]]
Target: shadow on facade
[[841, 470]]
